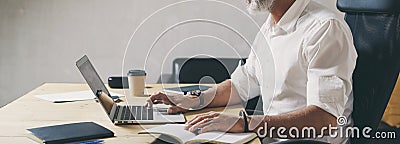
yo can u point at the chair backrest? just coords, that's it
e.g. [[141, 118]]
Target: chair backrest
[[375, 25], [192, 70]]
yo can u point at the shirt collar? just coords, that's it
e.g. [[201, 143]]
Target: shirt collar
[[289, 19]]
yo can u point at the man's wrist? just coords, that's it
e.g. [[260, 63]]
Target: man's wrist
[[242, 123], [196, 102], [199, 102], [245, 118]]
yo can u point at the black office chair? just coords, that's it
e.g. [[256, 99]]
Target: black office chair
[[375, 25], [192, 70]]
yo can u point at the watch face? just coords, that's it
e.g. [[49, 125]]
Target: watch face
[[195, 92], [99, 92]]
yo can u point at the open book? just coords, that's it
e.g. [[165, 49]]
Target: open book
[[175, 133]]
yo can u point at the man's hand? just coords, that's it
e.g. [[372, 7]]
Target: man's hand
[[179, 103], [213, 121]]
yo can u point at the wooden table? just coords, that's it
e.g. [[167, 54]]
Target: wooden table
[[29, 112]]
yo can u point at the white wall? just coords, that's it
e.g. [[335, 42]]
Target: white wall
[[40, 40]]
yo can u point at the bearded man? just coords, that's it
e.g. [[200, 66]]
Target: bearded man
[[314, 58]]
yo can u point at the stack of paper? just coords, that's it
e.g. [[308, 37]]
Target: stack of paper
[[70, 96]]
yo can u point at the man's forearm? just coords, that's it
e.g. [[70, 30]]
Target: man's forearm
[[310, 116], [221, 95]]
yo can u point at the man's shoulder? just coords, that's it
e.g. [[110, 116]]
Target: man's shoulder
[[320, 14], [317, 19], [319, 22]]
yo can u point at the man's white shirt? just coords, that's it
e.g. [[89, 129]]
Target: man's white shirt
[[307, 58]]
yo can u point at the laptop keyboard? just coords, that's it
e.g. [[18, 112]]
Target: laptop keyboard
[[134, 113]]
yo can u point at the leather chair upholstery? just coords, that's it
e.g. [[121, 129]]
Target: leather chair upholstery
[[375, 25], [192, 70]]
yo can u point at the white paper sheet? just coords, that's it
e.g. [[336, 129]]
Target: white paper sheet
[[71, 96]]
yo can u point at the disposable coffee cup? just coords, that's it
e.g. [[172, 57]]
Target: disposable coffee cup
[[136, 81]]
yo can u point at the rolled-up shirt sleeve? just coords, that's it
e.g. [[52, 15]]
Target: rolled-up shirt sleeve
[[331, 59], [244, 79]]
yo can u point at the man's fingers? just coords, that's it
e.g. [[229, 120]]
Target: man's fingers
[[147, 104], [211, 127], [195, 117], [157, 98], [176, 109], [200, 118], [200, 124], [150, 103], [213, 113]]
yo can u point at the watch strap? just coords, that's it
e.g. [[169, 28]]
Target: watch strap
[[246, 123], [201, 99]]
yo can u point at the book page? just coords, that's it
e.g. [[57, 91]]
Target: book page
[[174, 130], [225, 137], [70, 96]]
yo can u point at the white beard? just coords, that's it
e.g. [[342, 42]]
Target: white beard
[[259, 6]]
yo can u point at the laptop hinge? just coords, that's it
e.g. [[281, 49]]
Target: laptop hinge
[[112, 113]]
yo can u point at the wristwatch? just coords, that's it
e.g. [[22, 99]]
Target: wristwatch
[[246, 123], [99, 92], [201, 98]]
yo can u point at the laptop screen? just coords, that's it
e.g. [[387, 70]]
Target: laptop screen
[[91, 76]]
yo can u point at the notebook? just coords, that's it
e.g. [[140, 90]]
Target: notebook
[[175, 133], [69, 133]]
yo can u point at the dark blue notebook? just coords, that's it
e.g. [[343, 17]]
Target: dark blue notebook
[[70, 132]]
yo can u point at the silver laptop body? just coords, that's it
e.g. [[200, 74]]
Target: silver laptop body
[[120, 113]]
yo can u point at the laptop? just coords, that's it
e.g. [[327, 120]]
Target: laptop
[[120, 113]]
